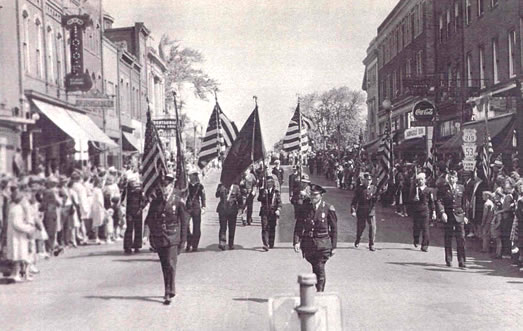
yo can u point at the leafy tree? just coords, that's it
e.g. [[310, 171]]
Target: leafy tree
[[337, 115]]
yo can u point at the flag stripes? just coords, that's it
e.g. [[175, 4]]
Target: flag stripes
[[291, 141], [154, 166], [221, 133], [384, 166], [485, 159]]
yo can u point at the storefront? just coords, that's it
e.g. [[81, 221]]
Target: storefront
[[66, 138]]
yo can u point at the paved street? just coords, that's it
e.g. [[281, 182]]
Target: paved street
[[397, 287]]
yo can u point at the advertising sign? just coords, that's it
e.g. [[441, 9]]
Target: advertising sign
[[77, 79], [424, 111], [416, 132], [166, 127]]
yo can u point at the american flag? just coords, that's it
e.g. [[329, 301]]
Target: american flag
[[292, 139], [220, 134], [154, 166], [485, 159], [384, 166]]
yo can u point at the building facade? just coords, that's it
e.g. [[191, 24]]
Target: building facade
[[370, 85]]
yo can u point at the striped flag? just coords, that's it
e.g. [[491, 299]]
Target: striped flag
[[220, 134], [384, 166], [485, 159], [154, 166], [292, 139]]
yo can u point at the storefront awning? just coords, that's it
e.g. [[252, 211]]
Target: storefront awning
[[60, 117], [92, 130], [498, 128], [413, 145], [76, 125], [130, 144]]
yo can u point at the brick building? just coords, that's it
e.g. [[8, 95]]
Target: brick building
[[370, 85], [406, 55]]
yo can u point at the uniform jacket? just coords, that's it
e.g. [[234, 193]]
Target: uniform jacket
[[278, 172], [196, 197], [167, 222], [229, 201], [451, 201], [425, 202], [293, 187], [316, 228], [135, 200], [364, 201], [270, 201]]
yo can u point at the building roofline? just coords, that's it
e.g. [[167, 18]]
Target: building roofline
[[391, 15]]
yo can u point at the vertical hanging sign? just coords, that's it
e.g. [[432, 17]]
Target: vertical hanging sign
[[77, 79]]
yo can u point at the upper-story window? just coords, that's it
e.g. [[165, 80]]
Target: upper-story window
[[493, 3], [469, 69], [482, 67], [512, 53], [419, 63], [449, 26], [440, 35], [456, 15], [25, 42], [50, 55], [468, 11], [38, 50], [59, 58], [481, 8], [495, 61]]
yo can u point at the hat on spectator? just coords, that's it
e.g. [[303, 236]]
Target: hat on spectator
[[315, 188], [52, 179], [112, 170], [497, 163], [305, 178], [194, 171], [170, 176]]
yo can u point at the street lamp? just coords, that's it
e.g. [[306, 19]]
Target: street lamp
[[387, 106]]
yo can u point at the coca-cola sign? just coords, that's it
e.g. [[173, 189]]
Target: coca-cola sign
[[424, 111]]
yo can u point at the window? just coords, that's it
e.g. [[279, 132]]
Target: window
[[419, 15], [456, 15], [408, 68], [481, 67], [50, 55], [59, 57], [493, 3], [495, 61], [25, 42], [419, 63], [394, 84], [458, 77], [468, 11], [481, 9], [413, 25], [469, 70], [38, 51], [400, 38], [511, 53], [449, 75], [441, 28], [449, 27], [448, 128], [68, 55]]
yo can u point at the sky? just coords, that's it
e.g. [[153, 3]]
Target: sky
[[275, 50]]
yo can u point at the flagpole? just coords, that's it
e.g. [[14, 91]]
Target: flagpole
[[218, 126], [299, 141], [179, 172]]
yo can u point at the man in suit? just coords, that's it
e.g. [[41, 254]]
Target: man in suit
[[422, 207], [168, 232], [364, 209], [316, 232], [278, 172], [195, 208], [270, 212], [230, 202], [451, 208]]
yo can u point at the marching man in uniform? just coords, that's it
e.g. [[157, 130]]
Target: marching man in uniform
[[270, 212], [364, 209], [422, 207], [195, 208], [167, 223], [316, 233], [451, 208]]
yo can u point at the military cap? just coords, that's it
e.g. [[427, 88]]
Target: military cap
[[305, 178], [194, 171], [315, 188], [169, 176]]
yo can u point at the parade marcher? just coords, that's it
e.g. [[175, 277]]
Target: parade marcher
[[451, 208], [364, 209], [423, 208], [270, 212], [486, 221], [248, 188], [167, 224], [195, 208], [315, 232], [278, 172], [294, 187], [135, 201], [230, 202]]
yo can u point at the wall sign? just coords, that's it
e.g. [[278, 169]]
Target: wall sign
[[77, 79], [415, 132], [424, 111]]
